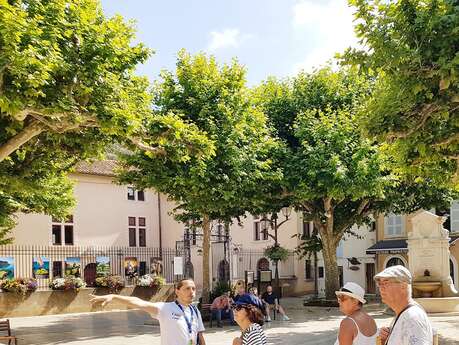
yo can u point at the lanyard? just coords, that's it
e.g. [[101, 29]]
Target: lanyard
[[189, 322]]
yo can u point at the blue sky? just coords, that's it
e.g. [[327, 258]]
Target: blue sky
[[269, 37]]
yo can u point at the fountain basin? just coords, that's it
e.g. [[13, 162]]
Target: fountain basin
[[439, 304], [427, 288]]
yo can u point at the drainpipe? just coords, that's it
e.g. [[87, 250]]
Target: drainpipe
[[160, 228]]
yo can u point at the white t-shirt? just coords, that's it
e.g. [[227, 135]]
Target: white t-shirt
[[412, 328], [173, 326]]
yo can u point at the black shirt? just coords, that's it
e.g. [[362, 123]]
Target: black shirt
[[269, 298]]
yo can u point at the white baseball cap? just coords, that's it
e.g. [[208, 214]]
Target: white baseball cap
[[352, 290], [397, 272]]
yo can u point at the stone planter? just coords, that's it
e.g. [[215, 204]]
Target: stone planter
[[71, 301]]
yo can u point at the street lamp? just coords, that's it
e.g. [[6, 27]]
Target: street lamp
[[264, 223], [286, 211]]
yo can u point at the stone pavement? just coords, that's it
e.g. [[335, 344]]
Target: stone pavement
[[309, 325]]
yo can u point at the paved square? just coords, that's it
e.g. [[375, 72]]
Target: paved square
[[309, 325]]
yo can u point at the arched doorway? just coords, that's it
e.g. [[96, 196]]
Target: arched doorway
[[223, 271], [395, 260], [263, 264], [90, 274]]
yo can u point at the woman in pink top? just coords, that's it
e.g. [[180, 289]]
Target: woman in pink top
[[220, 305]]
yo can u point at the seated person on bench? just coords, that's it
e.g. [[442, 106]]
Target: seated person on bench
[[271, 300], [220, 305]]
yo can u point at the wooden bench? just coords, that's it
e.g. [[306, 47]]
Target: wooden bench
[[205, 310], [6, 329]]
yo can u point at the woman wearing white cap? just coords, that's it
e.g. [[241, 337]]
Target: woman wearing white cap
[[358, 328]]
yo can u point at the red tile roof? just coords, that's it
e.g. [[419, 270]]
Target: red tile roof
[[102, 168]]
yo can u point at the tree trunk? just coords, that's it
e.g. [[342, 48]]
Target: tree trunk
[[33, 129], [316, 276], [205, 258], [331, 265]]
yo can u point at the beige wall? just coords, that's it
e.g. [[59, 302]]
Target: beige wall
[[380, 234], [100, 216]]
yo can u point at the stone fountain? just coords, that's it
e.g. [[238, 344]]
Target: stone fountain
[[428, 256]]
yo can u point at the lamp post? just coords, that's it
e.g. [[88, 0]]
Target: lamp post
[[265, 224]]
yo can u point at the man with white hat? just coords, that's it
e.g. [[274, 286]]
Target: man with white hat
[[411, 326]]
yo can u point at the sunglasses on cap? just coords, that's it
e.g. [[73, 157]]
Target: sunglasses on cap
[[235, 306], [343, 297]]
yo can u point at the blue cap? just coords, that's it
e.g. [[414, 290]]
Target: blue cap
[[250, 299]]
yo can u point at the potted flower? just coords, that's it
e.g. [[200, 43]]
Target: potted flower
[[19, 286], [69, 283], [112, 282], [151, 281], [277, 253]]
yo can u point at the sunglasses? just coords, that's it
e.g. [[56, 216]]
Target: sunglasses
[[342, 298], [238, 307], [386, 283]]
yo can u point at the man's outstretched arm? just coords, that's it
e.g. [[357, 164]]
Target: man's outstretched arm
[[133, 302]]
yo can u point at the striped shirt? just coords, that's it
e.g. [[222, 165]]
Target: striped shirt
[[254, 335]]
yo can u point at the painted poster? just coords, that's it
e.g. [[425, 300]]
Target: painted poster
[[6, 268], [103, 266], [73, 267], [156, 266], [131, 266], [178, 265], [40, 267]]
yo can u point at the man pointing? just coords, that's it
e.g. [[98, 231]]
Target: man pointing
[[180, 322]]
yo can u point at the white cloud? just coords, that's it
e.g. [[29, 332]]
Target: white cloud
[[330, 23], [228, 38]]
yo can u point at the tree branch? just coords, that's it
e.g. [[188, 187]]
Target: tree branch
[[281, 223], [33, 129], [65, 126], [141, 145], [425, 112]]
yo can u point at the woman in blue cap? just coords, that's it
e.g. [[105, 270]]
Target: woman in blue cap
[[248, 315]]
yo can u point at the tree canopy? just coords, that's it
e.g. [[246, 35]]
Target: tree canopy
[[68, 91], [331, 171], [216, 100], [411, 46]]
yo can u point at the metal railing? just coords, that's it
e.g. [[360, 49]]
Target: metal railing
[[25, 256]]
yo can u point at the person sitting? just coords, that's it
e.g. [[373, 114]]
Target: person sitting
[[254, 291], [358, 328], [240, 290], [271, 300], [222, 305]]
